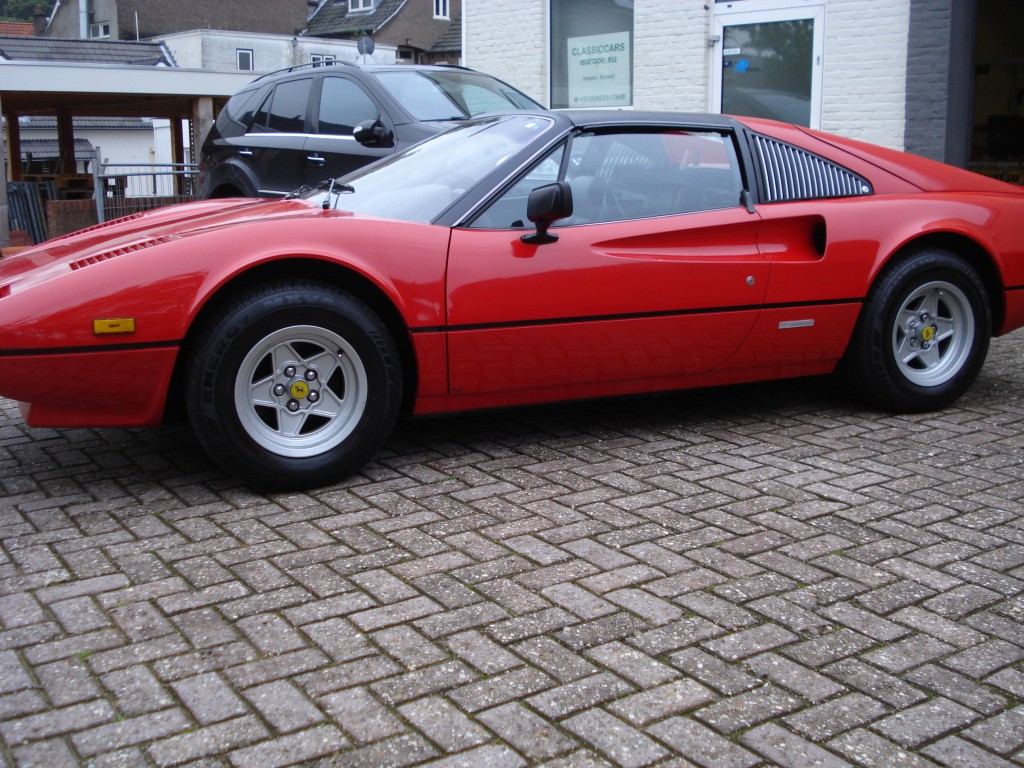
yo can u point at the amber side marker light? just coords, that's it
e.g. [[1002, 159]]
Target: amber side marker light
[[113, 325]]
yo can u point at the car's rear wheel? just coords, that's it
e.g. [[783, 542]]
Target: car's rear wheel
[[293, 385], [923, 333]]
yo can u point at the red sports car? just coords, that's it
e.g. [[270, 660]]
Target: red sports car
[[518, 258]]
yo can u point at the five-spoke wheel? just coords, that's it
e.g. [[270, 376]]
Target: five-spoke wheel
[[923, 333], [294, 384]]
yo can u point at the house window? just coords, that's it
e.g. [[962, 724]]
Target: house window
[[322, 59], [243, 59], [355, 6], [591, 53], [100, 29], [440, 9]]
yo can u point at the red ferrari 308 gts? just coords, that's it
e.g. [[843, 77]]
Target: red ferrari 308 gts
[[518, 258]]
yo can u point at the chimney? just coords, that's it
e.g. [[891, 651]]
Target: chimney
[[39, 19]]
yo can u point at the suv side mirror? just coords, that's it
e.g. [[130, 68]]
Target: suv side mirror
[[545, 206], [370, 132]]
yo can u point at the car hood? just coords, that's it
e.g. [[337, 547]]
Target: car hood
[[140, 231]]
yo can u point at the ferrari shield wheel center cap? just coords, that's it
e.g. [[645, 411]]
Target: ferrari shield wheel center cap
[[299, 389], [928, 332]]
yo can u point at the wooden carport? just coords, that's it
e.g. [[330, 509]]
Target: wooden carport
[[69, 90]]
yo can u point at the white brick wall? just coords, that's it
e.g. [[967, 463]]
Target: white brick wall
[[508, 39], [865, 58], [865, 77], [671, 64]]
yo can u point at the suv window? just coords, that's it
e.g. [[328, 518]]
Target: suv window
[[285, 110], [343, 105], [437, 95]]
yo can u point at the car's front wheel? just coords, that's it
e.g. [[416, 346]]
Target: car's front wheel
[[294, 384], [923, 333]]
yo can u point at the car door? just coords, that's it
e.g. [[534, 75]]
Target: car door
[[274, 146], [655, 277], [341, 105]]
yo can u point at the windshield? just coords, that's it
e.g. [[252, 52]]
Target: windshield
[[456, 95], [421, 182]]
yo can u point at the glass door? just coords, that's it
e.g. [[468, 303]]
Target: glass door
[[768, 60]]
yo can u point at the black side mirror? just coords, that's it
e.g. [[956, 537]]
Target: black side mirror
[[370, 132], [545, 206]]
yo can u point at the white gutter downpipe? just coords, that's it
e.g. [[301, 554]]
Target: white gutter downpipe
[[83, 19]]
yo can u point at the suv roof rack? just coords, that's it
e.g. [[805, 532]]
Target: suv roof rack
[[307, 65], [318, 64]]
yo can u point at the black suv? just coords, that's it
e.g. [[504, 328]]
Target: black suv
[[309, 123]]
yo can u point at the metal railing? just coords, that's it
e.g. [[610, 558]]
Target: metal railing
[[121, 189]]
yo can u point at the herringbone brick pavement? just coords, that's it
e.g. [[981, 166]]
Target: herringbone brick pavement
[[763, 575]]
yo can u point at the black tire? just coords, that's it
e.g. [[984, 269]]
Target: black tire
[[922, 335], [294, 385]]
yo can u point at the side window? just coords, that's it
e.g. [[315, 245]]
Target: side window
[[509, 210], [622, 176], [343, 105], [287, 107]]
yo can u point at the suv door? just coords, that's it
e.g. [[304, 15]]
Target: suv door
[[273, 146], [331, 150]]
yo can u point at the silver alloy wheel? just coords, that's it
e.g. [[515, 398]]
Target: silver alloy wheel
[[300, 391], [933, 334]]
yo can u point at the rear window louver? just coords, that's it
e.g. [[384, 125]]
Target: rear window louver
[[789, 173], [96, 258]]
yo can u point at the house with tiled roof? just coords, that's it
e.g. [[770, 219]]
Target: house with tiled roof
[[422, 31], [137, 19], [15, 48], [17, 28]]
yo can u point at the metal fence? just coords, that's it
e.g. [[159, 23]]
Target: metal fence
[[125, 188]]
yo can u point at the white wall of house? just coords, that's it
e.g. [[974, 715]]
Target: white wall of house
[[864, 69], [128, 145], [217, 50]]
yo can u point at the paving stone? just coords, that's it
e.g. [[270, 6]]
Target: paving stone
[[137, 730], [725, 678], [804, 682], [555, 659], [397, 752], [748, 709], [527, 732], [869, 749], [786, 749], [283, 706], [954, 751], [750, 642], [613, 738], [658, 703], [482, 652], [362, 715], [580, 694], [925, 722], [442, 722], [875, 683], [54, 753], [829, 719], [209, 699], [956, 687], [702, 745], [909, 653], [291, 749]]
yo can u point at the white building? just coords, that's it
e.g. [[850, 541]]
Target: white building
[[224, 51], [935, 77]]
